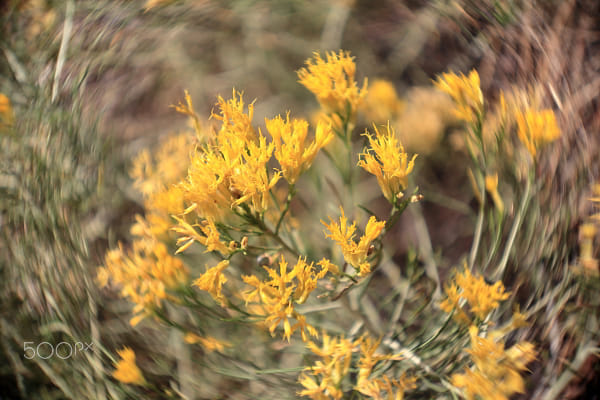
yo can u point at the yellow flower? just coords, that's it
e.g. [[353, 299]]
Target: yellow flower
[[291, 150], [355, 254], [332, 82], [209, 343], [466, 93], [126, 369], [329, 266], [233, 169], [157, 171], [188, 109], [366, 384], [143, 273], [235, 122], [480, 297], [491, 185], [251, 181], [6, 111], [496, 371], [382, 103], [279, 294], [334, 364], [536, 128], [389, 164], [213, 280], [210, 236]]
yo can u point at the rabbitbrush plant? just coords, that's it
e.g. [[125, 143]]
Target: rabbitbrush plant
[[265, 263]]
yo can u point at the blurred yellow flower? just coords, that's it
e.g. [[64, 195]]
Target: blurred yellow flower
[[385, 158], [367, 384], [496, 371], [291, 150], [335, 357], [143, 273], [536, 128], [6, 111], [355, 254], [491, 185], [212, 281], [466, 93], [332, 82], [208, 343], [126, 370], [480, 297], [381, 103]]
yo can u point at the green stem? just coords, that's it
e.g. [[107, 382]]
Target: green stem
[[516, 225], [478, 231], [290, 196]]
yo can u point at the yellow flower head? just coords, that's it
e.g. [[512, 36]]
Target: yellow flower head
[[385, 158], [279, 294], [332, 82], [126, 370], [250, 180], [233, 168], [480, 297], [466, 93], [291, 150], [496, 371], [382, 103], [234, 121], [334, 364], [213, 280], [536, 128], [210, 237], [355, 254], [143, 273]]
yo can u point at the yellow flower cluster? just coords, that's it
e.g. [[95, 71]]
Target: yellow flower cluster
[[278, 295], [213, 280], [374, 387], [126, 369], [231, 170], [355, 254], [480, 298], [332, 82], [496, 371], [146, 270], [156, 176], [231, 174], [209, 236], [381, 103], [536, 128], [144, 273], [291, 150], [330, 370], [326, 377], [389, 163], [466, 93]]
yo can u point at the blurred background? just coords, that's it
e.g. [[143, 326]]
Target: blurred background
[[88, 84]]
